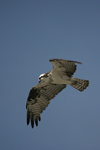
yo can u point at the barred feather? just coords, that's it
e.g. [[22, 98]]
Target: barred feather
[[79, 84]]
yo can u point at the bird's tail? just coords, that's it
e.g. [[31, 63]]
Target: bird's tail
[[79, 84]]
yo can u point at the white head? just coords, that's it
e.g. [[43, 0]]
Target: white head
[[42, 77]]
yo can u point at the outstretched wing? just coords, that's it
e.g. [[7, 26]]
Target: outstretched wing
[[66, 66], [39, 98]]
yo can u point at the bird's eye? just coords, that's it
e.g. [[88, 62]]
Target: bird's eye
[[39, 80]]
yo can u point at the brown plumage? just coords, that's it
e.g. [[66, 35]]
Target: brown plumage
[[50, 85]]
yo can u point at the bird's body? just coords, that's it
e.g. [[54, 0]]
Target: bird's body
[[58, 78], [50, 84]]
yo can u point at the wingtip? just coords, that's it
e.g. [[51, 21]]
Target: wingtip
[[32, 122], [79, 62], [28, 118], [56, 59], [36, 122]]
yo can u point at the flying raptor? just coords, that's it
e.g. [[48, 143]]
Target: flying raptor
[[50, 84]]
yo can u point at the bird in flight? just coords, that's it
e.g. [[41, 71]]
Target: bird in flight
[[50, 84]]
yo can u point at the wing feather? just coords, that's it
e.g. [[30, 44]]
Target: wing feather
[[39, 98], [67, 66]]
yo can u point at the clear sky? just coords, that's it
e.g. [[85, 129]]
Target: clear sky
[[31, 33]]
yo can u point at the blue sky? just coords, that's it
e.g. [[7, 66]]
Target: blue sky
[[32, 32]]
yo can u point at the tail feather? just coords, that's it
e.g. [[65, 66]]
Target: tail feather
[[79, 84]]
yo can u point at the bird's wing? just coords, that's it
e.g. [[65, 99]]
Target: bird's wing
[[63, 65], [39, 98]]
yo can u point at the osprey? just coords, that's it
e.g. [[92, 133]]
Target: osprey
[[50, 84]]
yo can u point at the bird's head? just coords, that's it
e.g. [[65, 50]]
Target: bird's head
[[42, 77]]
